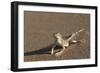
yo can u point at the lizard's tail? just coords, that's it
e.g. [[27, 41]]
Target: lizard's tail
[[80, 31]]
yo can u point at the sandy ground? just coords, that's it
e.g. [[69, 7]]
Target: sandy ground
[[40, 27]]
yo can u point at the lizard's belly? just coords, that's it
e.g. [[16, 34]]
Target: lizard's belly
[[63, 43]]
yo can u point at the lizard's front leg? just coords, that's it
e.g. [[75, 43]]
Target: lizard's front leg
[[52, 50], [59, 53]]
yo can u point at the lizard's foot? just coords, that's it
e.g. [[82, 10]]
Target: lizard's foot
[[52, 53], [59, 53], [74, 41]]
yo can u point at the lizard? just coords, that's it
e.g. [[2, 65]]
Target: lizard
[[64, 43]]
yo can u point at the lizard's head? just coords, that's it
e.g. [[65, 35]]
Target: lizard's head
[[58, 35]]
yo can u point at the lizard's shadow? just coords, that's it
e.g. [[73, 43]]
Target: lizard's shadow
[[45, 50]]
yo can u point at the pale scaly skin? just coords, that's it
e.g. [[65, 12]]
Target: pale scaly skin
[[63, 43]]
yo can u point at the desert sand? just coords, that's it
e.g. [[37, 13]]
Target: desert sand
[[38, 35]]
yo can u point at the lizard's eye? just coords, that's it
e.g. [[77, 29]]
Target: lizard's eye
[[59, 35]]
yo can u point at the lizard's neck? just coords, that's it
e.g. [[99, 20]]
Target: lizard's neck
[[59, 40]]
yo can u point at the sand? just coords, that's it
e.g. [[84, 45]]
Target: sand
[[38, 35]]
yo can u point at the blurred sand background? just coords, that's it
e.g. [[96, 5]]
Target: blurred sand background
[[39, 28]]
